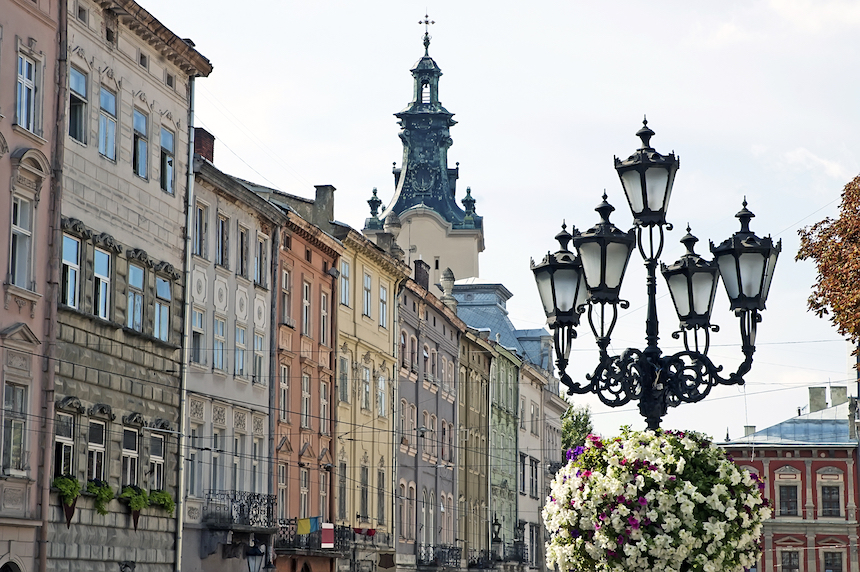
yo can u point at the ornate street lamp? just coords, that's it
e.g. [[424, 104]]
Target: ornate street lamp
[[657, 382], [255, 558]]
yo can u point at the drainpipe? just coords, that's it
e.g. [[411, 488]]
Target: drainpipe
[[51, 299], [274, 334], [186, 329]]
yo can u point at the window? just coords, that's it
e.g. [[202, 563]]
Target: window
[[533, 478], [239, 368], [162, 309], [107, 123], [222, 240], [259, 358], [306, 309], [285, 393], [140, 149], [25, 111], [193, 467], [404, 352], [130, 438], [220, 341], [444, 441], [217, 469], [523, 474], [363, 495], [788, 500], [197, 335], [64, 448], [325, 414], [260, 261], [82, 14], [380, 497], [324, 516], [383, 306], [286, 299], [142, 60], [365, 388], [433, 435], [135, 297], [167, 161], [830, 502], [522, 413], [96, 451], [77, 105], [535, 418], [304, 492], [832, 562], [380, 396], [790, 561], [242, 269], [402, 426], [306, 401], [344, 282], [367, 295], [324, 333], [19, 257], [169, 80], [410, 512], [156, 462], [256, 473], [201, 215], [343, 379], [71, 271], [282, 492], [237, 461], [401, 500], [101, 284], [341, 490], [15, 453]]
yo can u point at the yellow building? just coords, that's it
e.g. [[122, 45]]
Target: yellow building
[[369, 283]]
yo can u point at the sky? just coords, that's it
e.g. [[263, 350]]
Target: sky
[[757, 98]]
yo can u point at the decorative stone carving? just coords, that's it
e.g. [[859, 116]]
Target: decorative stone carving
[[196, 409], [107, 241], [258, 425], [127, 566], [133, 418], [18, 360], [70, 403], [101, 410], [4, 148], [194, 512], [75, 227], [240, 421], [219, 415], [140, 255], [163, 424], [169, 269], [13, 498]]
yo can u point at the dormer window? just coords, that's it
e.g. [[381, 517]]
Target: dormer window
[[425, 92]]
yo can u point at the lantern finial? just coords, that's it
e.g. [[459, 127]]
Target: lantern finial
[[645, 134]]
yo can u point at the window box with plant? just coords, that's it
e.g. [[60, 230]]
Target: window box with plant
[[137, 500], [162, 499], [103, 494], [70, 489]]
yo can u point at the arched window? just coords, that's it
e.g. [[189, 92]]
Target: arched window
[[431, 521], [401, 517], [426, 361], [424, 516], [410, 511], [404, 350], [425, 91], [413, 350], [444, 441]]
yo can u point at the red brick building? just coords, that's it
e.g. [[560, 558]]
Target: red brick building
[[809, 465]]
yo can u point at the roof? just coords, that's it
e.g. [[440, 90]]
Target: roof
[[830, 426]]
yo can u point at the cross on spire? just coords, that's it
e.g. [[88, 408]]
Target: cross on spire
[[426, 21]]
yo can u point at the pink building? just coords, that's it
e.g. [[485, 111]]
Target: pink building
[[28, 101], [809, 465]]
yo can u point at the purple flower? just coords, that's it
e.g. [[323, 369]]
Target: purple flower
[[574, 533], [634, 523], [643, 501], [620, 539], [611, 553], [573, 454]]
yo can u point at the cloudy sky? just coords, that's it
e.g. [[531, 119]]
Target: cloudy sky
[[759, 100]]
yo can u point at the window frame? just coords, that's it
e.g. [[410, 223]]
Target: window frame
[[136, 299], [287, 298], [306, 401], [324, 321], [368, 294], [102, 285], [130, 458], [344, 283], [787, 510], [21, 242], [343, 379], [239, 366], [198, 336], [222, 241], [78, 106], [107, 124], [28, 85], [261, 254], [64, 446], [140, 144], [219, 344], [96, 452], [307, 330], [325, 409], [71, 273], [167, 164], [383, 306], [156, 462], [163, 309], [259, 375], [15, 415], [201, 229], [304, 492], [284, 409]]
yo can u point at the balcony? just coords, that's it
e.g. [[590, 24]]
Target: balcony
[[516, 551], [481, 559], [289, 541], [442, 556], [239, 511]]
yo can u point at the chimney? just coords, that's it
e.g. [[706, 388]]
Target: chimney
[[204, 144], [838, 394], [749, 430], [817, 399], [422, 274], [324, 206]]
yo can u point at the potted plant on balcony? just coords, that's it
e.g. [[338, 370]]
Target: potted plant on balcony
[[654, 500], [70, 489], [163, 499], [137, 501], [103, 493]]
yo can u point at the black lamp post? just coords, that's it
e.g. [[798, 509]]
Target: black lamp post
[[255, 556], [745, 261]]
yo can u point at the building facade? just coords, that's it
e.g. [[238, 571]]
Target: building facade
[[531, 458], [809, 468], [29, 138], [429, 352], [121, 298], [369, 286], [229, 501]]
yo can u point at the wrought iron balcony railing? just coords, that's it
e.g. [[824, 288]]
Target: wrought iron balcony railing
[[516, 552], [239, 510], [481, 559], [442, 556], [289, 540]]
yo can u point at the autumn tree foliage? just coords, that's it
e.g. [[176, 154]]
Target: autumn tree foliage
[[834, 246]]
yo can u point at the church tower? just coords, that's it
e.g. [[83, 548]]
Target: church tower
[[433, 227]]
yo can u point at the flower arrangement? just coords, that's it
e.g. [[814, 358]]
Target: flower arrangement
[[103, 493], [654, 500], [136, 497], [162, 499]]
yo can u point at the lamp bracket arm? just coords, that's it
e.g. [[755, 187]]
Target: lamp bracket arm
[[651, 254], [618, 379]]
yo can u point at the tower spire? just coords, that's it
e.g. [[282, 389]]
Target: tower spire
[[426, 21]]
